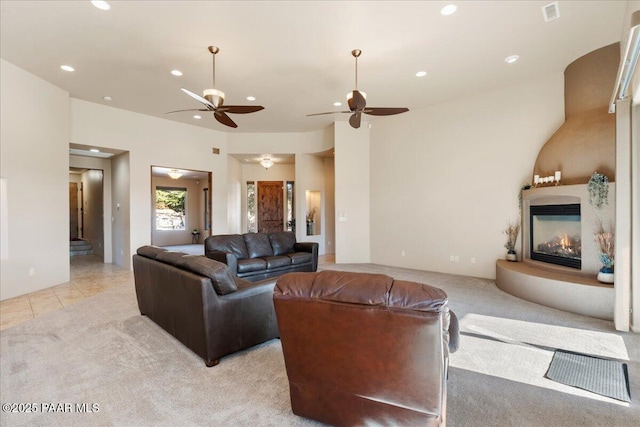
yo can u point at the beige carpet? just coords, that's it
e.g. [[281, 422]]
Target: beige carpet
[[102, 351]]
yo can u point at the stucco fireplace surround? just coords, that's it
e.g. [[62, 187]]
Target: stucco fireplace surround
[[567, 288]]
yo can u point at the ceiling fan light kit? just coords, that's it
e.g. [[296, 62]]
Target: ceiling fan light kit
[[213, 100], [357, 102]]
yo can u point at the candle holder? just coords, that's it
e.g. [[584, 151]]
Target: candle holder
[[547, 180]]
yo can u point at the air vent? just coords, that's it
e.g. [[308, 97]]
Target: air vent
[[215, 150], [551, 11]]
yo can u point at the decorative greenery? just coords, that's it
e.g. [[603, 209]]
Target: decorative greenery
[[512, 231], [598, 190], [606, 241]]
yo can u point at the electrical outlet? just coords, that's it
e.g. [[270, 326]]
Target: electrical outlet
[[451, 257], [457, 258], [402, 253], [32, 271], [473, 260]]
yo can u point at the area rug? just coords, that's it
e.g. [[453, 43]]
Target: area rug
[[602, 376]]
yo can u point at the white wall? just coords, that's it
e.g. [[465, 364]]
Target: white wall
[[121, 210], [152, 141], [352, 193], [329, 206], [445, 180], [235, 218], [34, 164], [105, 166]]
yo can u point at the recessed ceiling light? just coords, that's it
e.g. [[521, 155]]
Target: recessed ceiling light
[[67, 68], [511, 59], [337, 104], [251, 98], [449, 9], [102, 5], [107, 98], [94, 150], [177, 73], [197, 117], [421, 73]]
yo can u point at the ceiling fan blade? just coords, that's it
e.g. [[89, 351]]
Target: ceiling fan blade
[[222, 117], [358, 100], [384, 111], [240, 109], [354, 120], [328, 112], [190, 109], [209, 105]]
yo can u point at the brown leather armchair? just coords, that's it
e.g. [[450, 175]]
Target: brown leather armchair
[[364, 349]]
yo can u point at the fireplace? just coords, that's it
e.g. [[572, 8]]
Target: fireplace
[[555, 234]]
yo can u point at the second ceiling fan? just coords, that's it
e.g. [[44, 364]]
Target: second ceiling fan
[[213, 100], [358, 103]]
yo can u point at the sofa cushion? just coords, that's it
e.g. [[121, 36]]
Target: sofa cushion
[[277, 261], [282, 242], [220, 275], [233, 243], [149, 251], [258, 245], [300, 257], [251, 264], [170, 257]]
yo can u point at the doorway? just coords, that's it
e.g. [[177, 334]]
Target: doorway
[[75, 201], [86, 212], [270, 203]]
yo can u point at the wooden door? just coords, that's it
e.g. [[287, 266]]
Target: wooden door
[[73, 210], [270, 202]]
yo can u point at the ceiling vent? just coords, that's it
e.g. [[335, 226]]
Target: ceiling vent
[[551, 11]]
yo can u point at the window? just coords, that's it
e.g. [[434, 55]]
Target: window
[[252, 223], [291, 208], [171, 208]]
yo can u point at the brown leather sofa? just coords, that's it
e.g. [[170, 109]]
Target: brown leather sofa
[[198, 301], [364, 349], [258, 256]]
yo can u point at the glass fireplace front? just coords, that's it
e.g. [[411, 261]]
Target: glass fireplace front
[[556, 234]]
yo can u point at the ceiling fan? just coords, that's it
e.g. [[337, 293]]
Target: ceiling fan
[[358, 103], [213, 100]]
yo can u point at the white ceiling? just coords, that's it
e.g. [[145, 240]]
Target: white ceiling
[[294, 56]]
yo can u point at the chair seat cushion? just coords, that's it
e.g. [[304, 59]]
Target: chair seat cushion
[[300, 257], [277, 261], [251, 264]]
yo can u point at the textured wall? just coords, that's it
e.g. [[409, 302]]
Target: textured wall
[[585, 143]]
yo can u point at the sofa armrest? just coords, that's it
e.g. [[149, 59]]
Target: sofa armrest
[[225, 257], [310, 247], [454, 332]]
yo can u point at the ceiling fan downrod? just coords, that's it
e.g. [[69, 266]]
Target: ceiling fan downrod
[[356, 53], [214, 50]]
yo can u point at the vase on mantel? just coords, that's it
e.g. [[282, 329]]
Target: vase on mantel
[[605, 275], [511, 255]]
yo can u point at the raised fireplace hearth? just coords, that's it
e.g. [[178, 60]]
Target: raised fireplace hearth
[[565, 222]]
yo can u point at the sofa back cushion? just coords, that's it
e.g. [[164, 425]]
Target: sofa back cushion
[[258, 245], [233, 243], [220, 275], [149, 251], [170, 257], [282, 242]]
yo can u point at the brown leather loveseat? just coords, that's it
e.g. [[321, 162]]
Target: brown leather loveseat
[[258, 256], [198, 301], [364, 349]]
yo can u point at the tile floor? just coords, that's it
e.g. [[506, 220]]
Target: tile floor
[[89, 276]]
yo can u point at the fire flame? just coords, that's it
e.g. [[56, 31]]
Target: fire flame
[[564, 242]]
